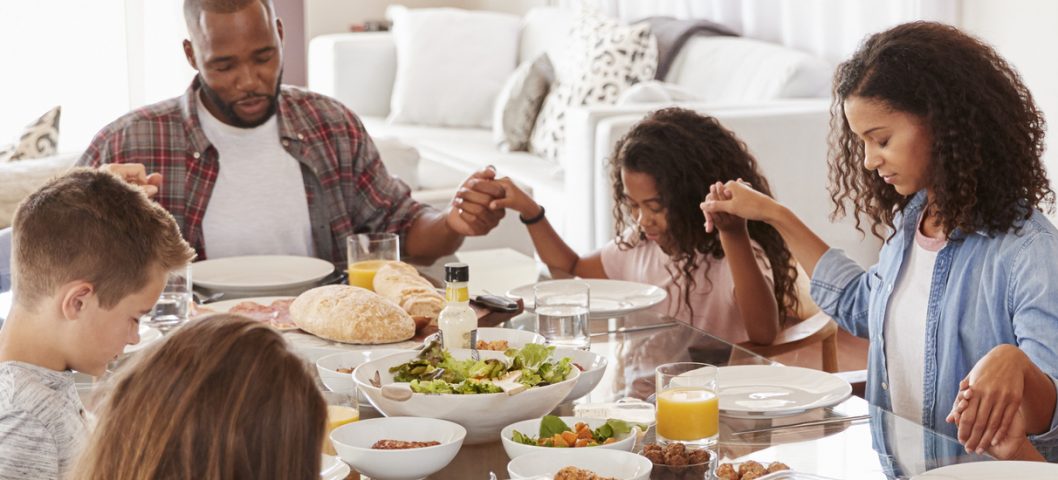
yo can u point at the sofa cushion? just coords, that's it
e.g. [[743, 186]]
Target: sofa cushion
[[546, 30], [39, 139], [451, 65], [741, 70], [519, 102], [19, 179], [607, 58]]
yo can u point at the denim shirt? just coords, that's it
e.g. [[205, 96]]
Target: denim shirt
[[986, 290], [5, 259]]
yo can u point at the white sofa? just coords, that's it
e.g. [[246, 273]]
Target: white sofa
[[741, 78]]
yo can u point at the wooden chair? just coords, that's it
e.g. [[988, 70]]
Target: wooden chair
[[805, 327]]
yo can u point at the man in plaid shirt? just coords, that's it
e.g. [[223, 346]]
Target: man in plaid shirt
[[249, 166]]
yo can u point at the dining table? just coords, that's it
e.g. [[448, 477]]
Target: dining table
[[849, 440]]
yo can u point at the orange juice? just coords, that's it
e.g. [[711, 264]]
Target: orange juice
[[337, 416], [362, 274], [688, 414]]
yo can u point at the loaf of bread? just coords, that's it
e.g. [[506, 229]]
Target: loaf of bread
[[351, 315], [402, 284]]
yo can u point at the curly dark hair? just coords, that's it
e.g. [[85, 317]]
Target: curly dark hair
[[985, 171], [685, 153]]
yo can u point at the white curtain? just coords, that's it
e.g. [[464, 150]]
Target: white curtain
[[831, 29]]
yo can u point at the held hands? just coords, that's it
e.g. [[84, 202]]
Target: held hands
[[721, 221], [470, 214], [740, 200], [515, 199], [136, 174], [986, 408]]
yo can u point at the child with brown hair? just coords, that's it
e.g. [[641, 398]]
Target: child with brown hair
[[90, 256]]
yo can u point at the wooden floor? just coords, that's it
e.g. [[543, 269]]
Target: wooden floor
[[852, 354]]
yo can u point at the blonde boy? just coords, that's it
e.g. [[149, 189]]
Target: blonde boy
[[90, 255]]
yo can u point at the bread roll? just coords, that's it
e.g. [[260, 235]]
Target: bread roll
[[351, 315], [402, 284]]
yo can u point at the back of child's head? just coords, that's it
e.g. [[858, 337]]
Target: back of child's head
[[222, 397], [686, 152], [90, 225], [987, 133]]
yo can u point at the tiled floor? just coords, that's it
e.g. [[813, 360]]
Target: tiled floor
[[852, 354]]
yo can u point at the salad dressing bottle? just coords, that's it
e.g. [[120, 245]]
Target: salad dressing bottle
[[457, 320]]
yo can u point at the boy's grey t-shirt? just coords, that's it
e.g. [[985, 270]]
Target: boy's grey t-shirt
[[42, 422]]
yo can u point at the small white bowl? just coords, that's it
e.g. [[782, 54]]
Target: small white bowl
[[483, 415], [607, 463], [328, 366], [353, 443], [514, 338], [594, 367], [532, 428]]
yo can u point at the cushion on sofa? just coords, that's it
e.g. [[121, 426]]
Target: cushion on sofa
[[451, 65], [607, 57], [547, 30], [519, 102], [39, 139], [19, 179]]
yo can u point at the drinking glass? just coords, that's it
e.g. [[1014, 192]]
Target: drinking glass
[[562, 311], [367, 252], [342, 408], [174, 305], [688, 409]]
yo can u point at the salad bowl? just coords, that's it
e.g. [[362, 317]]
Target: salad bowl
[[482, 414], [622, 440]]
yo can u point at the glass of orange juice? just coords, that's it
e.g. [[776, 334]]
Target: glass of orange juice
[[366, 253], [342, 408], [688, 409]]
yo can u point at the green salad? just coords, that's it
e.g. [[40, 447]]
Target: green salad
[[556, 433], [435, 371]]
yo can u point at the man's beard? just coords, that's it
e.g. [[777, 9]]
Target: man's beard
[[228, 109]]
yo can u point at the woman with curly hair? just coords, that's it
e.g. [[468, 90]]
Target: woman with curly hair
[[738, 284], [936, 139]]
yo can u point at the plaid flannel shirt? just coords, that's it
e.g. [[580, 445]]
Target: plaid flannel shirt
[[348, 189]]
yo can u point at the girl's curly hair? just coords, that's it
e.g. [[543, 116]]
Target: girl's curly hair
[[685, 153], [985, 171]]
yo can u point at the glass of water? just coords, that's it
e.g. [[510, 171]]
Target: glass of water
[[562, 311], [174, 305]]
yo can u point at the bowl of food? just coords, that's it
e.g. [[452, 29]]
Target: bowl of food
[[550, 432], [398, 448], [572, 464], [592, 366], [482, 395], [750, 470], [675, 461], [501, 339], [336, 369]]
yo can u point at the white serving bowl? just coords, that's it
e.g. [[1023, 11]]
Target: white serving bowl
[[335, 381], [353, 443], [483, 415], [532, 428], [514, 338], [607, 463], [594, 367]]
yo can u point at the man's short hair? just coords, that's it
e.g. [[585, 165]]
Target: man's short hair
[[193, 9], [90, 225]]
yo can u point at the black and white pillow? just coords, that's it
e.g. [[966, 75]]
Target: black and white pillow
[[519, 103], [606, 57], [39, 139]]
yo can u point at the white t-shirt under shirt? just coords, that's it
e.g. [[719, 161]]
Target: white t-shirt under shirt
[[713, 295], [905, 346], [258, 205], [42, 422]]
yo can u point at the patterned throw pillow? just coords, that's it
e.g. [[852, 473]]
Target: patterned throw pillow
[[605, 58], [519, 103], [40, 139]]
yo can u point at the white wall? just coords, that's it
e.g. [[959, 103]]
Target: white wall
[[1024, 32]]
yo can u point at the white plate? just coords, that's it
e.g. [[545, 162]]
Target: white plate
[[333, 468], [261, 274], [754, 391], [607, 297], [607, 463], [991, 470], [224, 306], [148, 335]]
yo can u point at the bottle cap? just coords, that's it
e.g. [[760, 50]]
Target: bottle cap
[[457, 272]]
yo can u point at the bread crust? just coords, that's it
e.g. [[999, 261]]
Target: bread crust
[[402, 284], [349, 314]]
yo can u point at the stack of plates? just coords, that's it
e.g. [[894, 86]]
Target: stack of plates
[[260, 276], [756, 391], [608, 298]]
